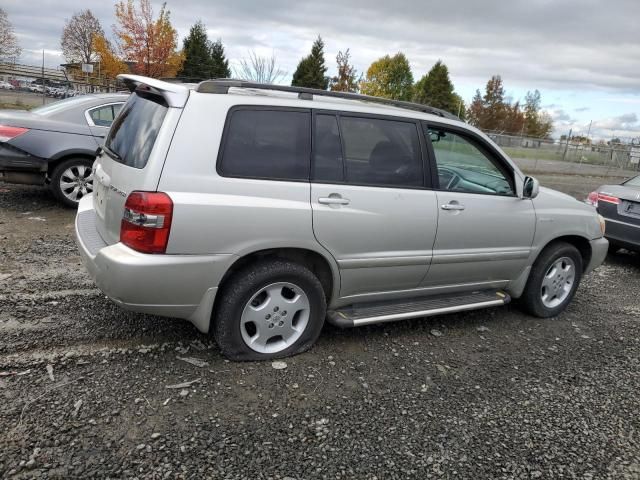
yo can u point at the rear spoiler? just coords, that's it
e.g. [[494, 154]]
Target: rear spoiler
[[174, 94]]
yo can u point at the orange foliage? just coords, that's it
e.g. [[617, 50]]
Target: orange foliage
[[151, 44], [110, 64]]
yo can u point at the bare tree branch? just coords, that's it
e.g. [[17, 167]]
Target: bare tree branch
[[77, 37], [259, 69]]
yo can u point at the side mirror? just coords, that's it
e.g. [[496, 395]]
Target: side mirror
[[531, 188]]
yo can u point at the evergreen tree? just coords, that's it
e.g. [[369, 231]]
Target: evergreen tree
[[311, 69], [219, 62], [197, 55], [203, 59], [436, 90]]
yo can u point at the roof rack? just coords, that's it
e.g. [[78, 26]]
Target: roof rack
[[222, 86]]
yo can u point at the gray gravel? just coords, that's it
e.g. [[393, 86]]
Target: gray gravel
[[493, 394]]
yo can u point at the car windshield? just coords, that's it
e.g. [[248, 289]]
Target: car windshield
[[56, 107], [633, 182]]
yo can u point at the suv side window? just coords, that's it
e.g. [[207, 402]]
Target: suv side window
[[463, 167], [381, 152], [269, 144]]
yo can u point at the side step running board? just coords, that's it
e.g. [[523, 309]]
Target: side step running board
[[368, 313]]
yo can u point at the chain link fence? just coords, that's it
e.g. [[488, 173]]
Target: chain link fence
[[571, 157]]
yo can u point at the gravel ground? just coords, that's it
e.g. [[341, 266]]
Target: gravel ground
[[85, 386]]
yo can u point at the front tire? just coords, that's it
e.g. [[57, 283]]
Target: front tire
[[553, 280], [71, 180], [271, 309]]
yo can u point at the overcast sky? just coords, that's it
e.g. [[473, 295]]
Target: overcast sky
[[583, 55]]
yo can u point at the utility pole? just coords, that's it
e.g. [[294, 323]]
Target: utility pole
[[566, 147], [43, 89]]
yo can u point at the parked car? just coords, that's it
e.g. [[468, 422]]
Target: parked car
[[35, 88], [6, 86], [255, 211], [620, 207], [55, 144]]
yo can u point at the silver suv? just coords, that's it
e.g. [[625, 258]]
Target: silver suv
[[257, 211]]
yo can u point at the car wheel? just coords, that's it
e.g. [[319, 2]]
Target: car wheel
[[71, 180], [553, 280], [271, 309], [613, 248]]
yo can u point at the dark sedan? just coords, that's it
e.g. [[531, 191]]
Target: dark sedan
[[620, 207], [55, 144]]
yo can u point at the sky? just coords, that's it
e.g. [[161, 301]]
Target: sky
[[583, 55]]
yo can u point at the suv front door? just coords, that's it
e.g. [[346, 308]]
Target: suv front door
[[371, 209], [485, 231]]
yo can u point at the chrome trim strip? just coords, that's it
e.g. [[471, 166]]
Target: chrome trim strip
[[439, 259], [376, 262], [621, 223], [427, 313]]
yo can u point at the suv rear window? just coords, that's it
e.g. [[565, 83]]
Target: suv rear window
[[273, 144], [135, 129]]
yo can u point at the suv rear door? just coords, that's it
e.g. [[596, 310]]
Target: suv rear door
[[132, 156], [485, 231], [371, 208]]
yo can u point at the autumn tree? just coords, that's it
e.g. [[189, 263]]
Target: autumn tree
[[436, 89], [202, 58], [311, 69], [9, 47], [389, 77], [110, 64], [347, 78], [259, 69], [77, 37], [149, 42]]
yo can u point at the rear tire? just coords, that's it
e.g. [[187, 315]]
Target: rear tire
[[553, 280], [270, 309], [613, 248], [71, 180]]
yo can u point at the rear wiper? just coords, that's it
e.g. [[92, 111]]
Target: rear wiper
[[111, 153]]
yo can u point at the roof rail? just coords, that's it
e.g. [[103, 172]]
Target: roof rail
[[222, 86]]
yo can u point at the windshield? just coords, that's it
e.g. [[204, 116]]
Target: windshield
[[59, 106], [135, 129]]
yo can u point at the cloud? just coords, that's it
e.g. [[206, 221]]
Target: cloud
[[531, 43], [581, 109]]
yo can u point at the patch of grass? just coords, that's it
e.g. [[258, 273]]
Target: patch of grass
[[15, 106]]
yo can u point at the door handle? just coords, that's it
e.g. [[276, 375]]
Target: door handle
[[333, 200], [452, 206]]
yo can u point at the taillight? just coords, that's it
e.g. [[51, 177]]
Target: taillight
[[604, 197], [146, 222], [595, 197], [7, 133]]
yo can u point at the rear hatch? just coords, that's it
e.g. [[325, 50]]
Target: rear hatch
[[135, 149]]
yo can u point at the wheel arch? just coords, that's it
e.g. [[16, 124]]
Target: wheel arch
[[325, 269], [64, 156], [581, 243]]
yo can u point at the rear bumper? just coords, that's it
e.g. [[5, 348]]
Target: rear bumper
[[181, 286], [623, 233], [599, 248], [17, 160]]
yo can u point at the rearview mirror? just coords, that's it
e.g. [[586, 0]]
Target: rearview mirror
[[530, 188]]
